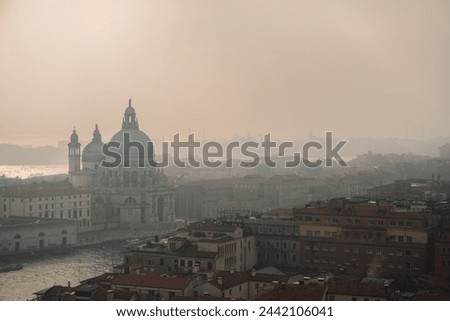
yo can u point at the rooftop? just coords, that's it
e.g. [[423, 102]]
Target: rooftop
[[292, 292], [152, 280], [40, 190]]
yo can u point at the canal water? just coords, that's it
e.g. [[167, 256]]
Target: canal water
[[45, 270]]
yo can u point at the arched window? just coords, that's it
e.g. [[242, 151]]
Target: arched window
[[130, 200], [64, 232], [41, 234]]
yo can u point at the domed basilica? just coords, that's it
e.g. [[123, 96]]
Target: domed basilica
[[121, 195]]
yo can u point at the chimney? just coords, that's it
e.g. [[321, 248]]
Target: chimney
[[68, 285], [306, 280], [321, 281], [219, 280], [109, 295], [156, 238], [253, 272]]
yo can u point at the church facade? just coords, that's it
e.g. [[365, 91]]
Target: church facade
[[122, 196]]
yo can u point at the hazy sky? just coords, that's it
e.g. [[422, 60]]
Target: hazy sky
[[230, 67]]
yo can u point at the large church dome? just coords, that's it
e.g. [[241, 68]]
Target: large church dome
[[130, 126]]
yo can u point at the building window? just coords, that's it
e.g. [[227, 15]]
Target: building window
[[307, 246], [294, 258]]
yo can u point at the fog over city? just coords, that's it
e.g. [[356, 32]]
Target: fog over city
[[224, 69], [258, 150]]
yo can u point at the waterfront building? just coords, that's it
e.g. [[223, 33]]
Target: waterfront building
[[125, 195], [57, 200], [25, 234]]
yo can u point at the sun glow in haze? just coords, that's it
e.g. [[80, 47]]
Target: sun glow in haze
[[229, 68]]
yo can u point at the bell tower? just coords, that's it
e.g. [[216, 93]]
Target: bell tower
[[74, 153]]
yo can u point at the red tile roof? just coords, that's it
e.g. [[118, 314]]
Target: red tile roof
[[292, 292], [152, 280]]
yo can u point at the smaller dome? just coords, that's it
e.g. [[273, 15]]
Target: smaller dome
[[93, 153]]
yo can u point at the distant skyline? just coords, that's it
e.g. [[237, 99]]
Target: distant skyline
[[230, 68]]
